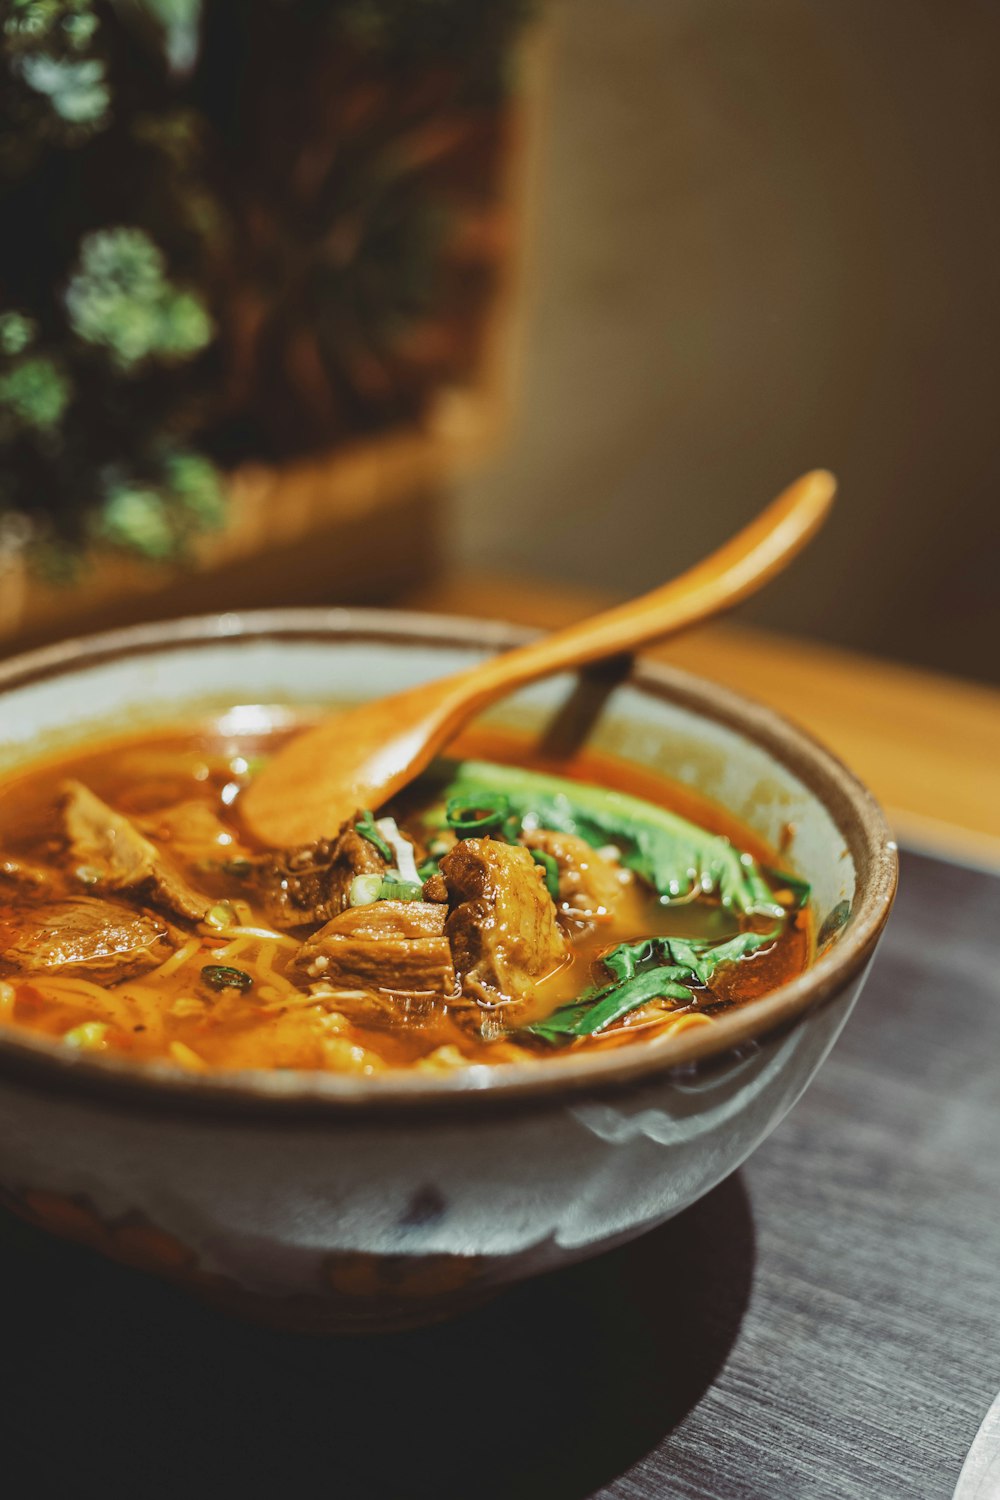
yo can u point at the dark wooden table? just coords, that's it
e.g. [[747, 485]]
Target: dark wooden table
[[824, 1326]]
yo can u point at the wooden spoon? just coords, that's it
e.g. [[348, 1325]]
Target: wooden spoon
[[360, 757]]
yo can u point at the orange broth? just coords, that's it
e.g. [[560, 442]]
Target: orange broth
[[169, 1013]]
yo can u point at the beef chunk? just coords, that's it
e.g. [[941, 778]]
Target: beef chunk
[[313, 883], [502, 926], [98, 940], [388, 945], [588, 883], [436, 888], [194, 833], [118, 858]]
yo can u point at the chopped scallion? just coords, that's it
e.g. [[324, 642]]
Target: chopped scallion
[[367, 828], [365, 889], [401, 890], [472, 818], [221, 916], [223, 977], [551, 868], [401, 847]]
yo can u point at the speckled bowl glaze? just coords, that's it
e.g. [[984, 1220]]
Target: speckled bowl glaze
[[346, 1204]]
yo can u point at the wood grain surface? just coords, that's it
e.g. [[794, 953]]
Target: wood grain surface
[[823, 1326]]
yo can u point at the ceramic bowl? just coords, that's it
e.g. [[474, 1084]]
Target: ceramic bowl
[[353, 1204]]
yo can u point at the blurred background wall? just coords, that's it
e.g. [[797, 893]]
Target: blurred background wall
[[766, 237]]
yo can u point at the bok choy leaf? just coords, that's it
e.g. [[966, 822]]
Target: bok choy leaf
[[651, 969], [674, 855]]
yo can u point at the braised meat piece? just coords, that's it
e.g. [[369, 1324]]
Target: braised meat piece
[[589, 884], [194, 832], [502, 927], [435, 888], [387, 945], [82, 936], [313, 883], [116, 857]]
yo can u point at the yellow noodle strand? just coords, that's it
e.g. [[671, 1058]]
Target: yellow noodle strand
[[81, 995], [268, 934], [70, 985], [147, 1004], [187, 1057], [176, 960], [684, 1023]]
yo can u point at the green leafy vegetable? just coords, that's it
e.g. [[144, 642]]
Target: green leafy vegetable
[[367, 829], [650, 969], [703, 958], [674, 855], [222, 977], [596, 1010], [800, 889]]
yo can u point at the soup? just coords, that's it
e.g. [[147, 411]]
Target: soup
[[504, 909]]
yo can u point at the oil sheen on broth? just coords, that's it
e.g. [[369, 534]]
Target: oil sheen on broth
[[506, 908]]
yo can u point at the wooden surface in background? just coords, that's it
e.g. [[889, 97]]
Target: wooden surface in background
[[928, 746]]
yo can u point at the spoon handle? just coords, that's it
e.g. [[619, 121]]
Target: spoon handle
[[737, 569]]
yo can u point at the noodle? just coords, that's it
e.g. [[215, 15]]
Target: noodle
[[684, 1023], [281, 939], [176, 960], [73, 986], [187, 1057], [147, 1004]]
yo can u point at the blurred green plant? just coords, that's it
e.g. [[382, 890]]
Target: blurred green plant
[[233, 229], [118, 297]]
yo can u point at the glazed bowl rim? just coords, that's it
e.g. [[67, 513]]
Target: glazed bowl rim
[[854, 811]]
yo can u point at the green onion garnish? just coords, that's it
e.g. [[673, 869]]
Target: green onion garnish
[[366, 827], [400, 890], [470, 819], [548, 864], [222, 977], [220, 916], [364, 890]]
